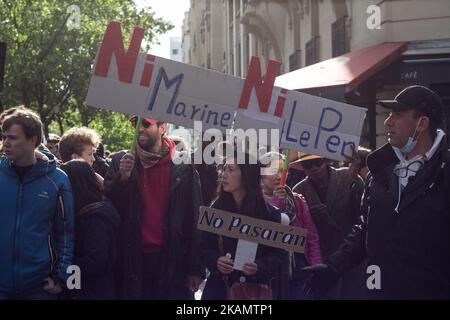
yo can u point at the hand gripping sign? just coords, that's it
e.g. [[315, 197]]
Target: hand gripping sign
[[254, 230], [127, 81]]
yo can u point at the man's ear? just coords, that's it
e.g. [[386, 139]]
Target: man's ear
[[164, 127], [424, 124]]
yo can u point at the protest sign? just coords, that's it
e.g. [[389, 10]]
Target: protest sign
[[255, 230], [135, 83]]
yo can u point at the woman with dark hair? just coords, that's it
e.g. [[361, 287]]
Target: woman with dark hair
[[240, 192], [95, 232]]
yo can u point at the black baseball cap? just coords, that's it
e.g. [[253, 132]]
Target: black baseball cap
[[417, 98]]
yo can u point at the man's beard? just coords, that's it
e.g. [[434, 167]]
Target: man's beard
[[148, 146]]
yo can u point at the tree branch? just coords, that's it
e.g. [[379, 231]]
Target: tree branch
[[45, 52]]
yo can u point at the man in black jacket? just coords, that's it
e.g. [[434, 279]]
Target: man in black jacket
[[159, 202], [404, 232]]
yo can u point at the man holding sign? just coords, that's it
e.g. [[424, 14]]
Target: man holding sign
[[158, 201]]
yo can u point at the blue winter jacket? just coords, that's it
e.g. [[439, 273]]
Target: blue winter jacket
[[36, 226]]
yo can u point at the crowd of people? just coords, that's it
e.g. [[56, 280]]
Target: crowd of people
[[129, 220]]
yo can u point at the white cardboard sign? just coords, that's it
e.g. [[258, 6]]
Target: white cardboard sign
[[131, 82]]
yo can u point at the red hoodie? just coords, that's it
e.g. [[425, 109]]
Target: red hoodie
[[155, 194]]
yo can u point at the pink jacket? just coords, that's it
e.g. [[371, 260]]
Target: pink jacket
[[304, 220]]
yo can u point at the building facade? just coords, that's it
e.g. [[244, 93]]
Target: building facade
[[175, 49], [203, 35], [302, 33]]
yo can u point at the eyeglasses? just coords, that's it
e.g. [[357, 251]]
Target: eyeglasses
[[144, 123], [309, 164]]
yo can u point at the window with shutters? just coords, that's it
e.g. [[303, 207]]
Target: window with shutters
[[312, 51], [339, 37]]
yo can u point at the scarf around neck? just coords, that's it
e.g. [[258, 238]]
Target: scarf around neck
[[149, 159]]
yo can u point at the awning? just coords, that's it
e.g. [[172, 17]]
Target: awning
[[347, 71]]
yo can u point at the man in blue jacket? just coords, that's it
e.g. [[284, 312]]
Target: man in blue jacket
[[36, 214]]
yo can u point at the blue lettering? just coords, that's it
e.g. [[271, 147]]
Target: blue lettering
[[336, 142], [304, 136], [183, 109], [162, 75], [215, 114], [321, 127], [225, 119], [194, 111], [288, 138], [203, 113], [198, 114]]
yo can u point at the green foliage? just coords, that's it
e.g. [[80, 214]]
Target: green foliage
[[114, 128], [48, 66]]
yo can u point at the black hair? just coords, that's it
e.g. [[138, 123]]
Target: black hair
[[85, 187], [100, 151], [253, 203]]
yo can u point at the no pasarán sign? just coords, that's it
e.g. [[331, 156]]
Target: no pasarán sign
[[263, 232]]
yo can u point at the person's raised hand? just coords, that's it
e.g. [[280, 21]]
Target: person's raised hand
[[126, 165]]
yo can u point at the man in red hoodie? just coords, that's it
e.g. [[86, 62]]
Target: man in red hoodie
[[159, 202]]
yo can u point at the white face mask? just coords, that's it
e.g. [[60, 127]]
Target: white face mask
[[412, 141]]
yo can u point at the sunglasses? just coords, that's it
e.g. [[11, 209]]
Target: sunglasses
[[309, 164], [144, 123]]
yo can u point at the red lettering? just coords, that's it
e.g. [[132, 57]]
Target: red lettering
[[280, 103], [263, 87], [113, 44], [148, 71]]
